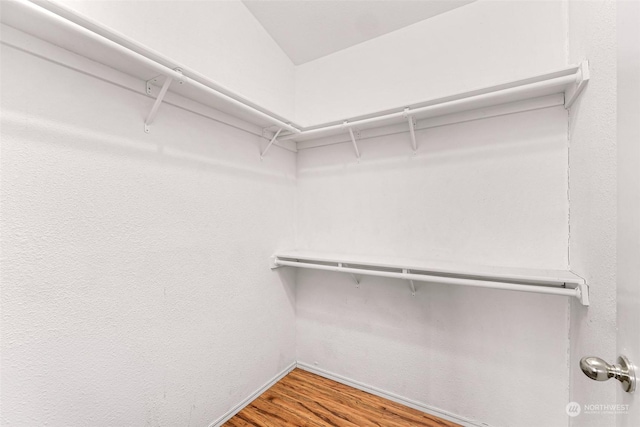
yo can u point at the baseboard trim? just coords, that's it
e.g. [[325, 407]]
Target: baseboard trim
[[466, 422], [247, 401], [391, 396]]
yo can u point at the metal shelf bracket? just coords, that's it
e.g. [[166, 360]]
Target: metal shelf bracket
[[355, 279], [163, 91], [273, 262], [353, 276], [413, 286], [270, 143], [412, 130], [582, 293], [582, 78], [353, 139], [154, 81]]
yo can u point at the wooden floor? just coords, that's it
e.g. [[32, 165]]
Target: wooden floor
[[304, 399]]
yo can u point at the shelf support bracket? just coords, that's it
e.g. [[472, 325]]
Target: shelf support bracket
[[582, 78], [154, 110], [353, 139], [163, 91], [355, 279], [353, 276], [273, 262], [413, 286], [582, 293], [270, 143], [412, 130]]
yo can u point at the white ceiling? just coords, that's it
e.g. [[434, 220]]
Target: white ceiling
[[310, 29]]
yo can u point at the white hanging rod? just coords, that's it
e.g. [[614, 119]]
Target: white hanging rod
[[570, 80], [555, 84], [152, 64], [580, 291]]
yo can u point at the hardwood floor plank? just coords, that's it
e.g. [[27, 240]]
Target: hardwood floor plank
[[255, 417], [238, 422], [393, 410], [329, 416], [338, 407], [360, 405], [303, 399], [272, 403]]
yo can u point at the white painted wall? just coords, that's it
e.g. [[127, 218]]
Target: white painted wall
[[143, 286], [135, 287], [592, 192], [484, 43], [490, 192], [220, 39], [628, 232]]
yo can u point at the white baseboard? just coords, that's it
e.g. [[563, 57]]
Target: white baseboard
[[351, 383], [247, 401], [391, 396]]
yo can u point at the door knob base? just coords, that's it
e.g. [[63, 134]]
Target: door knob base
[[627, 375]]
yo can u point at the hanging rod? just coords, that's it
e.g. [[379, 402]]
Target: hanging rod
[[44, 10], [563, 283], [570, 80]]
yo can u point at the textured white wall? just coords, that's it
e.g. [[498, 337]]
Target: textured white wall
[[135, 287], [592, 192], [483, 43], [490, 192], [133, 268], [220, 39], [628, 232]]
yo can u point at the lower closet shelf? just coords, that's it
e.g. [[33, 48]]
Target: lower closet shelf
[[552, 282]]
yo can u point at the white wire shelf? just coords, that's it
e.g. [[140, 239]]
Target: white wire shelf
[[551, 282], [66, 28]]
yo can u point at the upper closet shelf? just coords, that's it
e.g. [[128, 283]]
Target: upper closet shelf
[[569, 81], [64, 27], [553, 282], [70, 30]]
